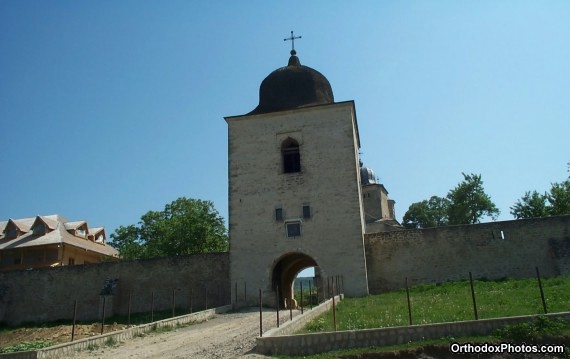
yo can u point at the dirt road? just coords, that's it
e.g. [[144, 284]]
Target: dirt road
[[225, 336]]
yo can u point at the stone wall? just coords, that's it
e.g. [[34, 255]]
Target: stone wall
[[489, 250], [48, 294]]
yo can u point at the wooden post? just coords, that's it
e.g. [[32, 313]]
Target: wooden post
[[245, 293], [409, 304], [260, 316], [310, 295], [191, 294], [473, 296], [334, 309], [74, 319], [152, 306], [235, 294], [317, 284], [130, 307], [290, 307], [103, 316], [173, 303], [301, 297], [541, 291], [206, 297], [277, 303]]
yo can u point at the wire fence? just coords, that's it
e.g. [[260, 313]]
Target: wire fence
[[142, 307], [449, 302]]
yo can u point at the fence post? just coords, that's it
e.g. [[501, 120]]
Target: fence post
[[301, 297], [260, 316], [334, 308], [173, 302], [245, 293], [152, 306], [291, 307], [336, 284], [235, 293], [409, 304], [310, 295], [74, 319], [473, 296], [316, 290], [277, 303], [541, 291], [103, 316], [191, 294], [130, 307], [219, 299], [206, 297]]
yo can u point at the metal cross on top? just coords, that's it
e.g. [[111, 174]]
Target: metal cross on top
[[292, 38]]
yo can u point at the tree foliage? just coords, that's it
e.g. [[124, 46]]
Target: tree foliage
[[531, 205], [427, 213], [467, 203], [553, 203], [185, 226]]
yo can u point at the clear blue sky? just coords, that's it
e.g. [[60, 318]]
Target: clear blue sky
[[110, 109]]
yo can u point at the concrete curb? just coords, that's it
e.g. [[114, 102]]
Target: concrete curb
[[63, 350], [308, 344]]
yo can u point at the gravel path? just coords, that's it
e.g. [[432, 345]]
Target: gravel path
[[225, 336]]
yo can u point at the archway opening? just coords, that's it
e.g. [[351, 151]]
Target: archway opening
[[284, 273]]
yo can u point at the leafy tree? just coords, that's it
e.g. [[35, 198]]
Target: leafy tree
[[553, 203], [532, 204], [559, 198], [469, 202], [185, 226], [427, 213]]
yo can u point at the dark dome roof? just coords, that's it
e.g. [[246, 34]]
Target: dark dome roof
[[367, 175], [291, 87]]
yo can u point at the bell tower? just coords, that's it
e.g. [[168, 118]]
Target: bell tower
[[295, 198]]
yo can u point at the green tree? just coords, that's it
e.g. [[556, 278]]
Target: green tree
[[128, 242], [559, 198], [469, 202], [185, 226], [532, 204], [427, 213], [553, 203]]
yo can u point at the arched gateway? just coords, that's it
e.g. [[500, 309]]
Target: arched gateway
[[284, 273], [295, 197]]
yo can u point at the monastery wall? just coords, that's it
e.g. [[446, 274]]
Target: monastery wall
[[48, 294], [490, 250]]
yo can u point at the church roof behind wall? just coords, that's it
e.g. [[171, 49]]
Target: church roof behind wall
[[291, 87]]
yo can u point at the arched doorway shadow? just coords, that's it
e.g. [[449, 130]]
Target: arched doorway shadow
[[285, 271]]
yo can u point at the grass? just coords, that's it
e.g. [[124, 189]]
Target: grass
[[447, 302], [111, 342], [25, 346], [541, 330]]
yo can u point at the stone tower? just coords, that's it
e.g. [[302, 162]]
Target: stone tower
[[295, 198]]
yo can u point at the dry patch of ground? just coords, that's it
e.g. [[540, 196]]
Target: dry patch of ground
[[55, 334], [229, 335]]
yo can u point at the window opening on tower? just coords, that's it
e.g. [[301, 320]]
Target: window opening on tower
[[291, 156]]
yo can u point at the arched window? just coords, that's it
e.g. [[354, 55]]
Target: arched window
[[291, 156]]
